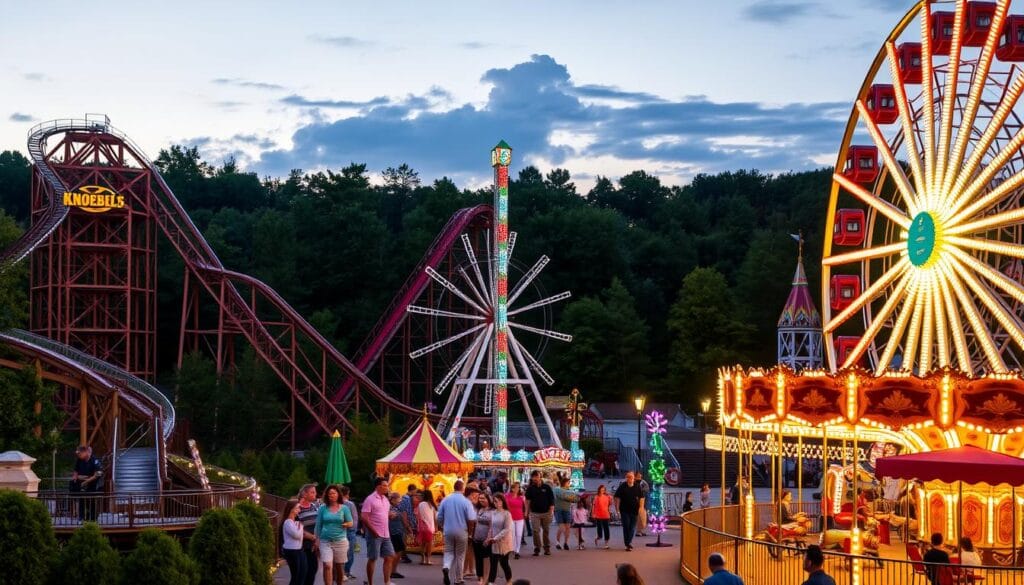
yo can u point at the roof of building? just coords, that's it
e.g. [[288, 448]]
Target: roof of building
[[800, 310], [626, 410]]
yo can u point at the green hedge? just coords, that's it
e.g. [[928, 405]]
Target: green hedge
[[27, 543], [87, 558], [221, 549], [158, 560], [260, 536]]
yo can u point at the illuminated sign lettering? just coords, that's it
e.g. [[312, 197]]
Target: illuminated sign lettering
[[94, 199]]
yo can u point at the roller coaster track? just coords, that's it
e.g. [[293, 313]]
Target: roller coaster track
[[300, 356], [395, 315], [114, 375]]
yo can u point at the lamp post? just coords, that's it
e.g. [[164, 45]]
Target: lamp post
[[705, 406], [639, 402]]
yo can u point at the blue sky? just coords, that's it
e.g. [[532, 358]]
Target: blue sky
[[671, 87]]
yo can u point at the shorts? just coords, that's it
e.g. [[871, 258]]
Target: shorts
[[579, 525], [379, 547], [334, 551], [563, 517], [398, 542]]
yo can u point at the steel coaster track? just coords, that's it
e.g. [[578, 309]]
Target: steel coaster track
[[305, 375]]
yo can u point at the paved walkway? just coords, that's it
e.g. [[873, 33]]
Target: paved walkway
[[658, 566]]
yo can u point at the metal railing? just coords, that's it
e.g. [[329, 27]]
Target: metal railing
[[180, 509], [719, 529]]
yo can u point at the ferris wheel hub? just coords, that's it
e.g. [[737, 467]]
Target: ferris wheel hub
[[922, 240]]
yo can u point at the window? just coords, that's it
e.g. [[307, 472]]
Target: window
[[853, 226], [915, 61], [947, 30], [866, 162], [983, 20], [888, 101], [871, 103], [1004, 39], [846, 292], [1020, 34]]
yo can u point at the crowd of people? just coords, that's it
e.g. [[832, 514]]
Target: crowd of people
[[484, 526]]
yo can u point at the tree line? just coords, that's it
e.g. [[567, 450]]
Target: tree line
[[668, 282]]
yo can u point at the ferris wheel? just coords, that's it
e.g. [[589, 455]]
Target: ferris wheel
[[924, 262], [468, 298]]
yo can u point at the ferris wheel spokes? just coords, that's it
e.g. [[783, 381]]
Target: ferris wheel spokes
[[908, 281], [471, 256], [914, 204], [865, 254], [974, 319], [542, 303], [897, 270], [946, 127], [895, 214], [533, 363], [995, 124], [903, 106], [531, 274], [928, 92], [452, 288], [439, 344], [441, 313], [453, 371], [978, 84], [517, 351]]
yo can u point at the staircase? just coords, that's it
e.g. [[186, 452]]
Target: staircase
[[136, 471], [691, 461]]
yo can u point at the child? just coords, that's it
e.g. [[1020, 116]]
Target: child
[[580, 517]]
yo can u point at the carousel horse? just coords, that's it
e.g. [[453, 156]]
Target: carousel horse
[[788, 534], [840, 540]]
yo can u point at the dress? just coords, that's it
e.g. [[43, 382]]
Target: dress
[[426, 523]]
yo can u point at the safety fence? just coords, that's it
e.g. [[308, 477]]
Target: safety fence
[[762, 561], [171, 508]]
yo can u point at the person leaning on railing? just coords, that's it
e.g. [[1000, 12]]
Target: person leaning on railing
[[86, 479]]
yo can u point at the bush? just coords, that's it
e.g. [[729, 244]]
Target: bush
[[27, 544], [220, 548], [591, 448], [260, 535], [158, 560], [87, 558]]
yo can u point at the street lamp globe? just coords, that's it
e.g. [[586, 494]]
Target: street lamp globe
[[639, 402]]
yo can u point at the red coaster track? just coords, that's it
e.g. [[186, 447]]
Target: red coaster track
[[321, 380]]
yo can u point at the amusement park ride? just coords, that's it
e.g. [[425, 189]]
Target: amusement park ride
[[98, 207], [923, 306]]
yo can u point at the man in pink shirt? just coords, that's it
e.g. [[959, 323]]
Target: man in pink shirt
[[374, 519]]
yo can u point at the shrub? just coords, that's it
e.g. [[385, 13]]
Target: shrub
[[27, 544], [158, 560], [220, 548], [256, 527], [89, 558]]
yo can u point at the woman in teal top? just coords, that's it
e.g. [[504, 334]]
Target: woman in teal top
[[331, 530]]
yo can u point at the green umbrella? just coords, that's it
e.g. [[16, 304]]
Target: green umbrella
[[337, 465]]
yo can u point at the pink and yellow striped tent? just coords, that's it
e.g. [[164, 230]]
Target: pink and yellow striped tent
[[423, 451]]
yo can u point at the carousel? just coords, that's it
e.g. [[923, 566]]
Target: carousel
[[898, 411]]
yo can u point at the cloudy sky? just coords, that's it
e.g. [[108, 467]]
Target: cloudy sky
[[674, 87]]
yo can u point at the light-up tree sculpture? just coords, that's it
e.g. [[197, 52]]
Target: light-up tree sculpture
[[574, 411], [656, 424]]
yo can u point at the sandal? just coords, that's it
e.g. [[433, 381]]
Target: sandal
[[581, 547]]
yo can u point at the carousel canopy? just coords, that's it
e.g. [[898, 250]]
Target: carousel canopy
[[423, 451], [968, 464]]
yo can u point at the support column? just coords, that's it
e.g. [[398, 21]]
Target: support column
[[83, 418]]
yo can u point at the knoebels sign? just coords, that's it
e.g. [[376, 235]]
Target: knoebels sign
[[94, 199]]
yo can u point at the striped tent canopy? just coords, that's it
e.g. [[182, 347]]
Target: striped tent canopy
[[423, 451]]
